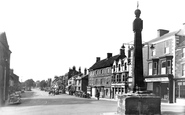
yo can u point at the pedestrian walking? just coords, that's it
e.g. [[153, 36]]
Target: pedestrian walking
[[98, 95]]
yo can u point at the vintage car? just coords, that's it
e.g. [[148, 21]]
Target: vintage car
[[14, 99]]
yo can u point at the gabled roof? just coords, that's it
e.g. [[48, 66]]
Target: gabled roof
[[179, 32], [85, 76], [104, 63]]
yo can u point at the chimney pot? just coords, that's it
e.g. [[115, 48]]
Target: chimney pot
[[97, 59]]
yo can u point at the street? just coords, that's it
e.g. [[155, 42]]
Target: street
[[38, 102]]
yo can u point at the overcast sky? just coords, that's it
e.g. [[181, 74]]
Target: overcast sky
[[47, 37]]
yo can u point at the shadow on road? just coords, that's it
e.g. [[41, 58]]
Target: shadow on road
[[52, 101]]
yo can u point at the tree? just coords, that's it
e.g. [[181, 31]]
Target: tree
[[43, 84], [29, 83]]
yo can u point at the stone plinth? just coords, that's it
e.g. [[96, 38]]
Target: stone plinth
[[139, 105]]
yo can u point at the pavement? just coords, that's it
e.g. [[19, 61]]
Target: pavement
[[163, 103]]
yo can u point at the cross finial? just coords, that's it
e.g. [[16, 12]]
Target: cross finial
[[137, 4]]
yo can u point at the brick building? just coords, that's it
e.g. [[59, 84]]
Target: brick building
[[4, 68], [159, 64], [100, 75], [180, 67]]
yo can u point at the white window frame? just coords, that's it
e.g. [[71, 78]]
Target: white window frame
[[155, 68], [163, 69], [168, 67], [150, 68]]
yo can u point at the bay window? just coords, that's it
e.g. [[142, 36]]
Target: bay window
[[169, 67], [155, 68], [163, 67], [150, 69]]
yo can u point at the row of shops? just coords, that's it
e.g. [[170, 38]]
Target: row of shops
[[165, 87]]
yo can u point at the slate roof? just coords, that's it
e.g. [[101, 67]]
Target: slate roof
[[105, 63], [179, 32]]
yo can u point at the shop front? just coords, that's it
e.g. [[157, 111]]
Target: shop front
[[117, 89], [161, 86], [180, 89]]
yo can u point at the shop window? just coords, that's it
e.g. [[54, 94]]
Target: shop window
[[155, 68], [183, 69], [169, 66], [163, 67], [150, 69]]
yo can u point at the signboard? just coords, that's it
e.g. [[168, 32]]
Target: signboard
[[156, 79]]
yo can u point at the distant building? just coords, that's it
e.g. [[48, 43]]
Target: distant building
[[120, 70], [84, 81], [69, 79], [14, 83], [100, 75], [4, 68]]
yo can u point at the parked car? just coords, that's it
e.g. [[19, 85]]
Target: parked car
[[14, 99]]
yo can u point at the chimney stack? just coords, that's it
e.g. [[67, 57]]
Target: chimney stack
[[85, 71], [122, 50], [79, 69], [74, 68], [161, 32], [97, 59], [109, 55]]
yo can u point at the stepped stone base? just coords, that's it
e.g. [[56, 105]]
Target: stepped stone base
[[139, 104]]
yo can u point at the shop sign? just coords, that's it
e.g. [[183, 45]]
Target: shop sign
[[156, 79]]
